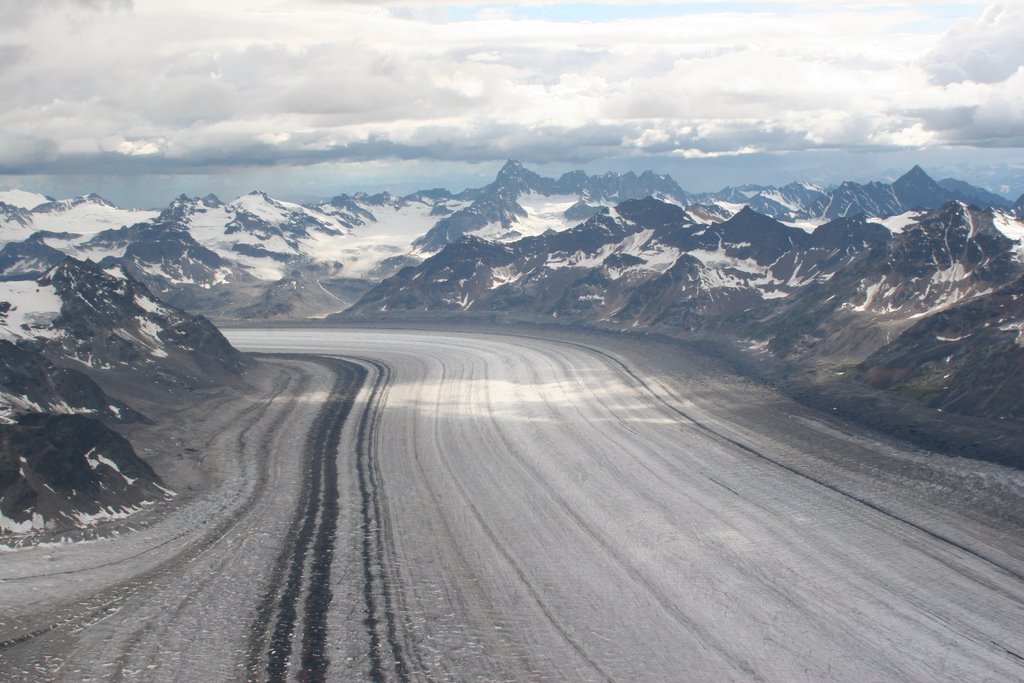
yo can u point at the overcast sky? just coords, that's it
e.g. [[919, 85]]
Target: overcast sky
[[142, 100]]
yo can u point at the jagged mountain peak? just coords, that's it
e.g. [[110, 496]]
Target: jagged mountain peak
[[181, 205], [915, 172], [84, 287], [748, 217], [511, 166], [378, 199], [256, 240], [517, 178], [651, 175], [503, 211], [210, 201], [801, 201], [576, 177], [915, 189], [69, 265], [747, 213]]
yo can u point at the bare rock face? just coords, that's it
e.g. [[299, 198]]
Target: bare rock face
[[30, 382], [67, 471], [967, 359]]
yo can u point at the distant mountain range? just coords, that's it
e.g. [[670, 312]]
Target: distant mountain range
[[257, 257]]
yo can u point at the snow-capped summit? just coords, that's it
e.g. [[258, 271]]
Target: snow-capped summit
[[808, 205], [62, 205], [520, 203], [23, 199], [265, 217], [83, 216], [15, 223]]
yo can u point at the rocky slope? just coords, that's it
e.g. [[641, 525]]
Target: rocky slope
[[852, 289], [30, 382], [109, 321], [968, 358], [66, 339], [59, 471]]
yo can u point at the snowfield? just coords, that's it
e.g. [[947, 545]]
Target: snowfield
[[517, 508], [23, 199], [32, 308]]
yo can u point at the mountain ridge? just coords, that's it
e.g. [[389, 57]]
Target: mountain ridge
[[257, 257], [835, 296]]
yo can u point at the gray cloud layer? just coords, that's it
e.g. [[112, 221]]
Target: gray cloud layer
[[110, 86]]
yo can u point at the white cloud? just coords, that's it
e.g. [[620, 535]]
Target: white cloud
[[988, 50], [190, 86]]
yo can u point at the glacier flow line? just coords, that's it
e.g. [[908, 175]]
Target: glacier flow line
[[306, 558]]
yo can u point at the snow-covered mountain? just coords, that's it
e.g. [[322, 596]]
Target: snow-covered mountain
[[837, 294], [63, 337], [77, 324], [84, 216], [15, 222], [809, 205], [22, 199], [260, 257], [795, 201], [945, 257], [521, 203], [612, 266]]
